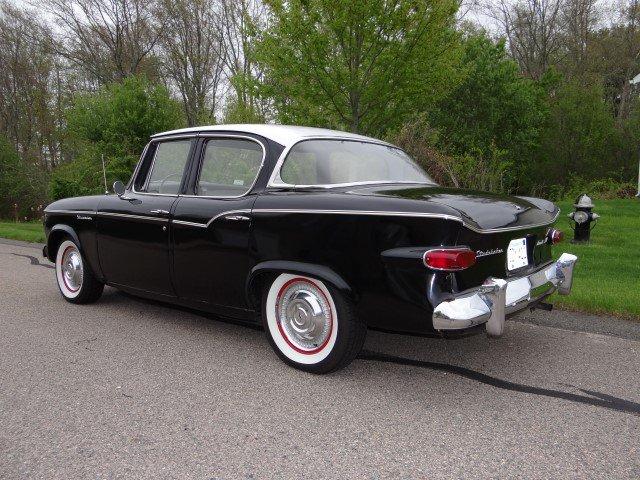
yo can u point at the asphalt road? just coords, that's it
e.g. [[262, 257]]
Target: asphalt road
[[130, 389]]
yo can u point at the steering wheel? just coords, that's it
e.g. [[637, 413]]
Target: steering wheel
[[162, 182]]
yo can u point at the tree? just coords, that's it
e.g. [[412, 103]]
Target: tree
[[240, 22], [361, 65], [107, 39], [28, 114], [532, 29], [193, 55], [488, 125], [580, 137], [21, 185], [579, 19], [115, 122]]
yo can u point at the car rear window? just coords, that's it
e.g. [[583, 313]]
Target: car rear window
[[335, 162]]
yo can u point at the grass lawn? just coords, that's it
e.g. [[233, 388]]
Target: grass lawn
[[607, 275], [28, 231]]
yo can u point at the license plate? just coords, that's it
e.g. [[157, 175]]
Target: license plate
[[517, 256]]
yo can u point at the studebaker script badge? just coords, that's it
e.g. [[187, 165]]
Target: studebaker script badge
[[486, 253]]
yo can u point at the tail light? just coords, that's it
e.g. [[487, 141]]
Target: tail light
[[450, 259], [554, 236]]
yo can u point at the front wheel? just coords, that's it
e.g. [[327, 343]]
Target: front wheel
[[309, 325], [75, 280]]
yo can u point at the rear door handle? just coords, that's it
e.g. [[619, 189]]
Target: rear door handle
[[160, 212]]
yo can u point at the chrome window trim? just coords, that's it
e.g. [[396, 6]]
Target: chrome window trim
[[201, 160], [153, 161], [275, 180], [132, 180]]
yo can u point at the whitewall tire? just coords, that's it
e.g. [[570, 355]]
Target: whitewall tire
[[310, 325], [76, 282]]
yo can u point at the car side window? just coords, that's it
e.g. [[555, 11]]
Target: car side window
[[167, 167], [229, 167]]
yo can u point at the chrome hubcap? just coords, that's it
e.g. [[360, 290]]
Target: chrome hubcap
[[304, 315], [72, 269]]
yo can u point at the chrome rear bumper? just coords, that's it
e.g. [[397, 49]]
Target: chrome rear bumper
[[497, 298]]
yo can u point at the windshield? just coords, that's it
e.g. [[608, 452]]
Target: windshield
[[335, 162]]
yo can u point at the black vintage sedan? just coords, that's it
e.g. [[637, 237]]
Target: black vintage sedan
[[317, 234]]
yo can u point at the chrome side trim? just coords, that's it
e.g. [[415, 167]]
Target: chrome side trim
[[351, 184], [229, 212], [442, 216], [71, 212], [132, 217], [189, 224], [232, 214]]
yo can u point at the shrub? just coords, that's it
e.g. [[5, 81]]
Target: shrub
[[603, 189], [116, 122], [21, 184]]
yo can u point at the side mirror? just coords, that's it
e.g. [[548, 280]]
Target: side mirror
[[118, 187]]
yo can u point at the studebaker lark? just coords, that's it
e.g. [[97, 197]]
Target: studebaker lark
[[316, 234]]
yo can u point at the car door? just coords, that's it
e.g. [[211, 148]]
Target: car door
[[133, 229], [211, 225]]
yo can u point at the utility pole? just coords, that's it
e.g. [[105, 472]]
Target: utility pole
[[634, 81], [638, 194]]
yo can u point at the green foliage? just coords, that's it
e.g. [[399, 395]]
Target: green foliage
[[492, 119], [27, 232], [21, 185], [240, 112], [115, 122], [580, 138], [360, 65], [486, 125], [602, 188], [606, 275], [493, 107]]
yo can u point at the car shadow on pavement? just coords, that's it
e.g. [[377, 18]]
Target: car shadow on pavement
[[588, 397], [593, 398]]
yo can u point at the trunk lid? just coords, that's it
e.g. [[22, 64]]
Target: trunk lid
[[480, 211]]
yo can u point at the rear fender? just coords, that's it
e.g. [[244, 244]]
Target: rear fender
[[275, 267]]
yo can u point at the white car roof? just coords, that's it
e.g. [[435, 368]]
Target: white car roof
[[285, 135]]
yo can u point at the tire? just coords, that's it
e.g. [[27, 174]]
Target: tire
[[75, 279], [310, 326]]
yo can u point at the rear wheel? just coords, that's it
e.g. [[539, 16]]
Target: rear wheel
[[310, 325], [75, 280]]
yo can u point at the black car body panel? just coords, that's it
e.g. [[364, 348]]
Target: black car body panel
[[211, 253]]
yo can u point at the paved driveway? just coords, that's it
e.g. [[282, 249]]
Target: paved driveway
[[127, 388]]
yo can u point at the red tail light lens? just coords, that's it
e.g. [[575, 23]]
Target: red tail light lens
[[555, 236], [449, 259]]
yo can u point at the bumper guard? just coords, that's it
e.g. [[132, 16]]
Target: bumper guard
[[497, 298]]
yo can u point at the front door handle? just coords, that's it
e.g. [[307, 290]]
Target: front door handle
[[160, 212]]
